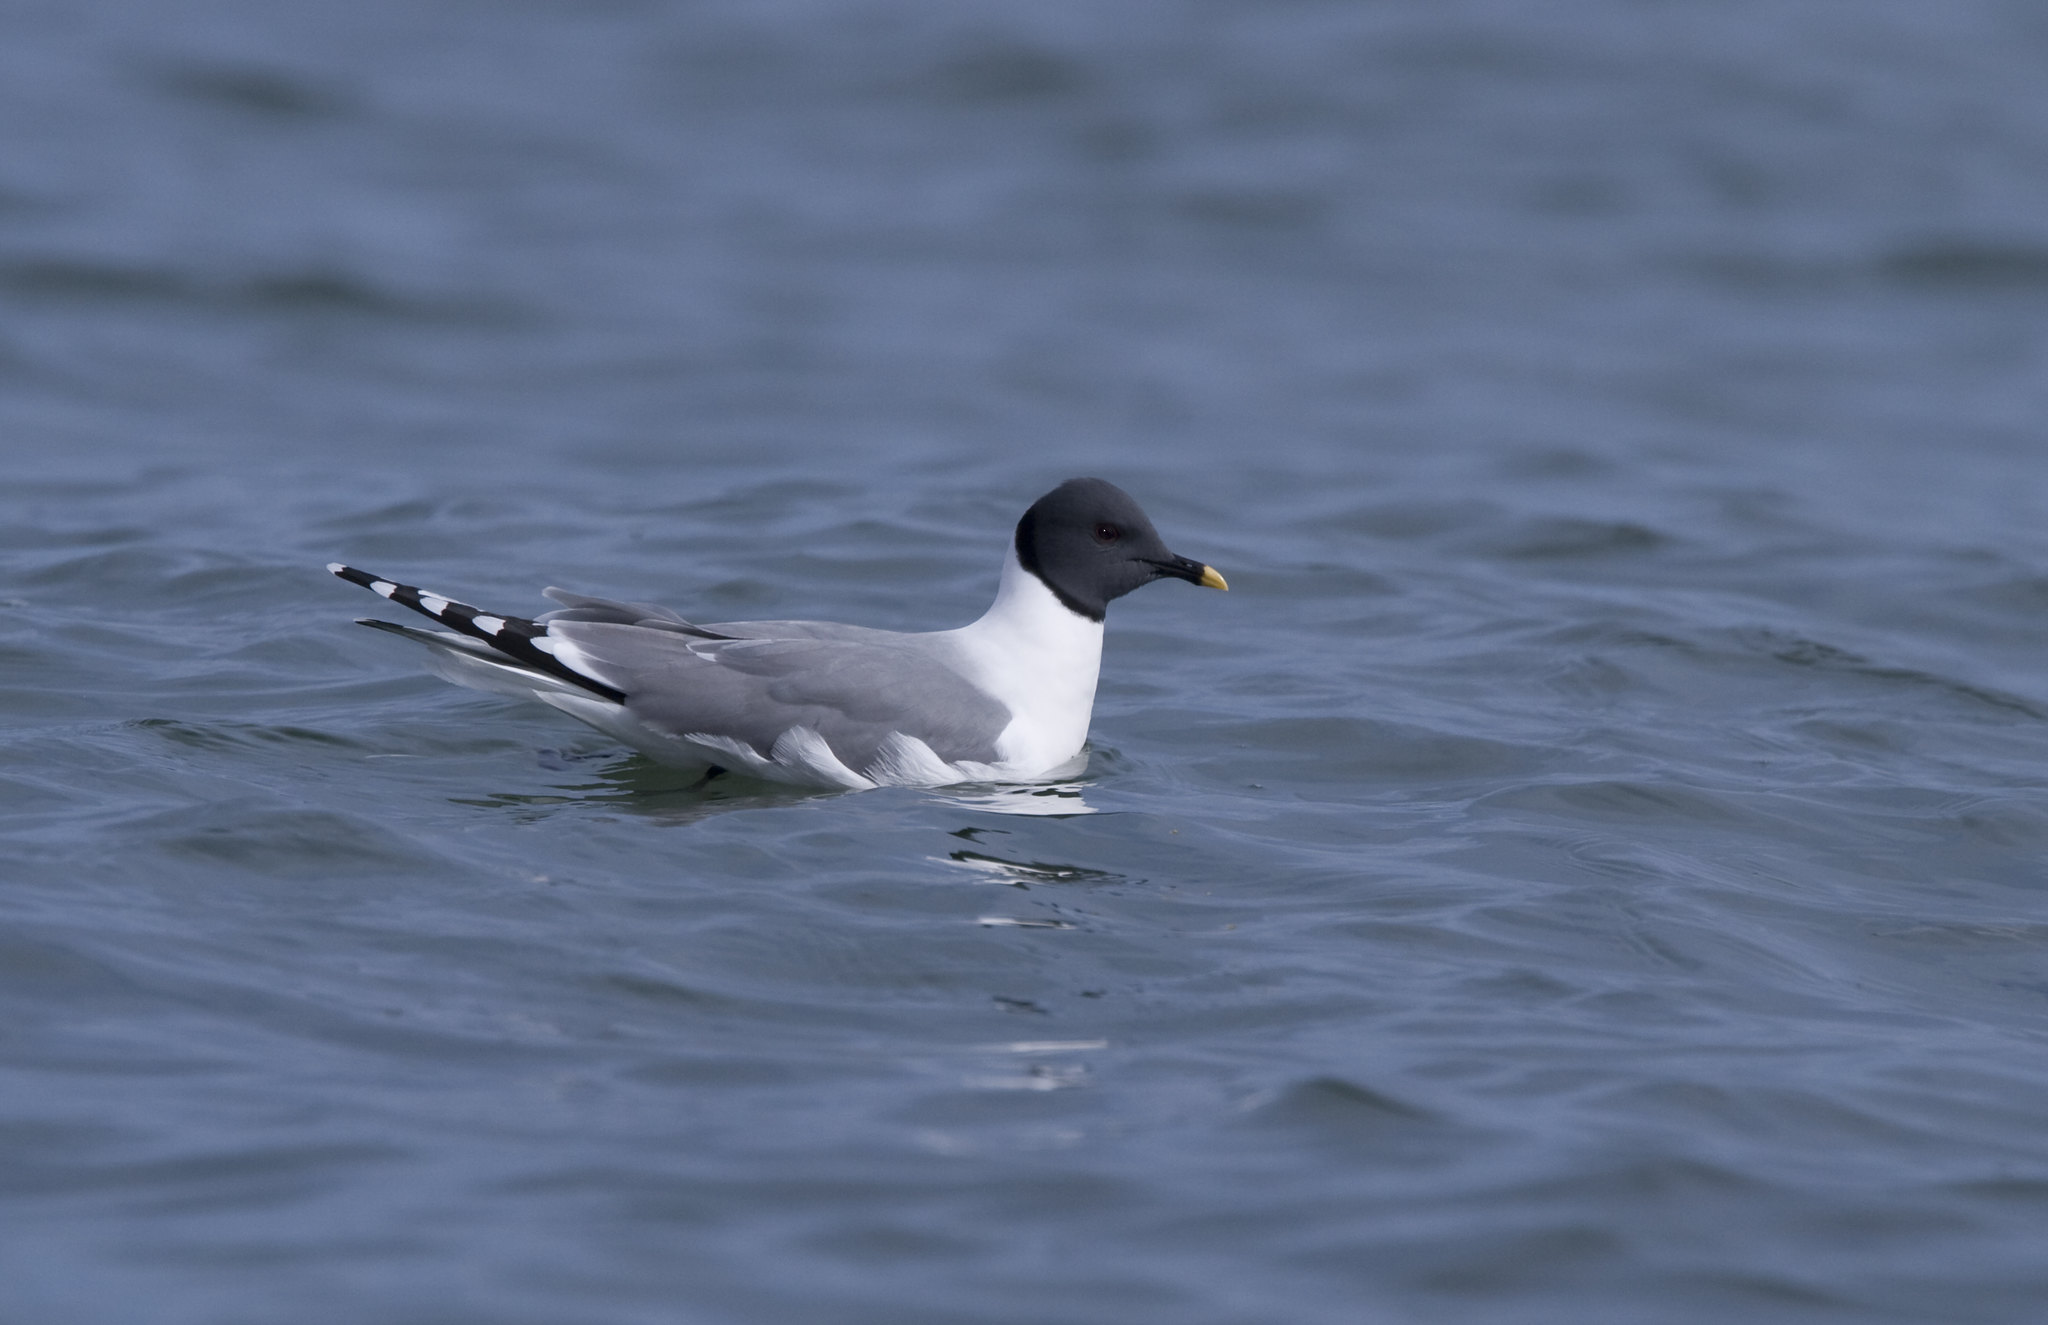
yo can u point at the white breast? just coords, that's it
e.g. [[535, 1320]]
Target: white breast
[[1041, 660]]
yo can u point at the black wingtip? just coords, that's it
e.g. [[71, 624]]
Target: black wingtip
[[354, 576], [510, 636]]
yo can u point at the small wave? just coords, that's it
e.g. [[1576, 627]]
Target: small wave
[[307, 290], [1557, 538], [267, 93], [1965, 264]]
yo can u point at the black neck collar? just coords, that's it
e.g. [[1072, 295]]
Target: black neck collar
[[1027, 557]]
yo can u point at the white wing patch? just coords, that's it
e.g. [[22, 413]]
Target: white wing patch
[[802, 749], [905, 761], [743, 756], [572, 656], [799, 751]]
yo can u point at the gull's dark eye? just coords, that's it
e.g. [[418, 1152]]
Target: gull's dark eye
[[1107, 533]]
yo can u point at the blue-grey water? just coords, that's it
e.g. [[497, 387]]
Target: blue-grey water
[[1589, 869]]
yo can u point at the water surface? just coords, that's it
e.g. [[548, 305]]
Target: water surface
[[1587, 869]]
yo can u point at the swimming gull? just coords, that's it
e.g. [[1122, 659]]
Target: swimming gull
[[1006, 699]]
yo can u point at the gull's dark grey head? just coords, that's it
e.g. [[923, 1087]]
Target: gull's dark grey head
[[1090, 543]]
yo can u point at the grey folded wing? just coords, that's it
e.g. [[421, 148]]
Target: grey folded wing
[[578, 607], [856, 692]]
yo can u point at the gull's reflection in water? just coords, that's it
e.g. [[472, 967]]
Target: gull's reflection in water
[[1054, 909], [1045, 800], [1024, 873], [639, 785]]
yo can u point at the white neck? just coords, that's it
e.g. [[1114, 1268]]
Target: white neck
[[1041, 658]]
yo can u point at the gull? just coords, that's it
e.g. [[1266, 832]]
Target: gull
[[815, 703]]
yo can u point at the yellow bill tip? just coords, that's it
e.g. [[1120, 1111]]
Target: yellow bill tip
[[1211, 580]]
